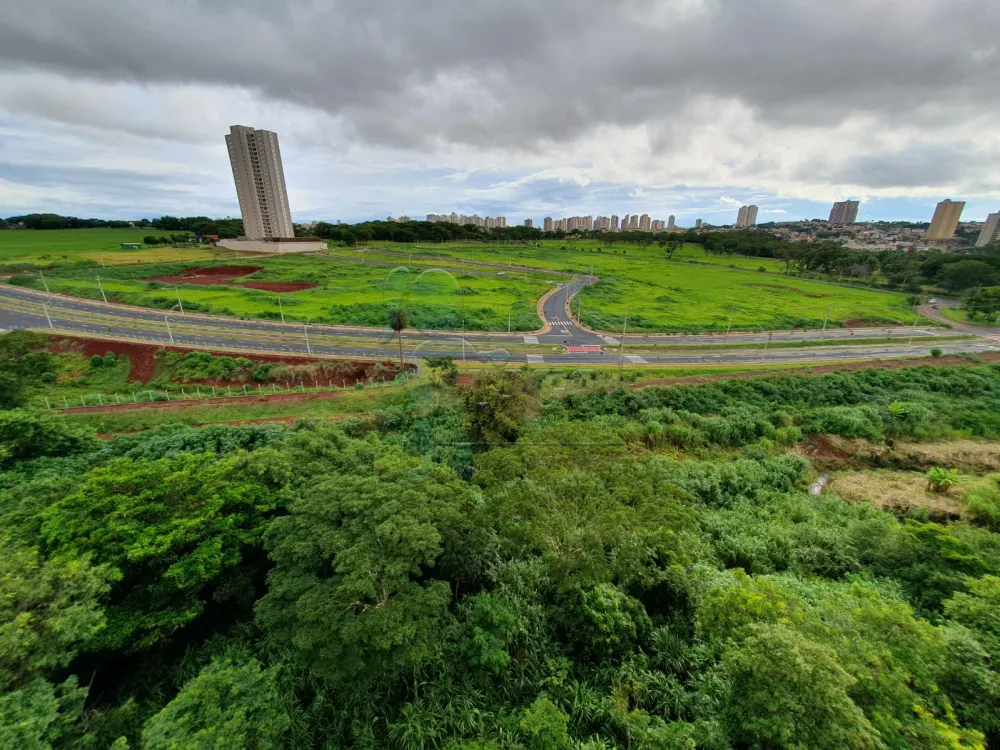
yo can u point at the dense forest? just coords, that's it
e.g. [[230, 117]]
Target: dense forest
[[470, 567]]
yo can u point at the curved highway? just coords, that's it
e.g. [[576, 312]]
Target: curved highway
[[562, 341]]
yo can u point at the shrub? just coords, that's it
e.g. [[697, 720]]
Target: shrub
[[110, 359], [936, 352], [97, 361]]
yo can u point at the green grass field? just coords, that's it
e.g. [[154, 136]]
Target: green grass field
[[347, 292], [960, 316], [693, 292], [47, 247]]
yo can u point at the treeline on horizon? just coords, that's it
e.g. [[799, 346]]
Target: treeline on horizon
[[201, 225]]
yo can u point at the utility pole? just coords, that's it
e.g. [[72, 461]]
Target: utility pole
[[305, 330], [99, 286], [281, 310], [508, 318], [171, 335], [766, 344], [44, 282], [46, 309], [179, 303], [827, 319], [729, 326]]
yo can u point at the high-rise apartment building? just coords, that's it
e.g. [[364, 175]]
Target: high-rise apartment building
[[747, 216], [945, 220], [645, 223], [670, 222], [260, 182], [529, 223], [547, 224], [697, 223], [614, 223], [991, 231], [844, 212]]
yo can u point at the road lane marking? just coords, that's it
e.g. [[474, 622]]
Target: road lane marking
[[610, 340], [536, 359], [531, 339], [635, 359]]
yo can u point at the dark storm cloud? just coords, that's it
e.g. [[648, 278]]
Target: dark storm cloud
[[524, 73], [911, 167]]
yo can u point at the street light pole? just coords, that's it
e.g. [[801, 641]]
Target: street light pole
[[101, 287], [179, 303], [169, 333], [281, 310], [508, 318], [827, 319], [44, 282], [46, 309], [305, 330]]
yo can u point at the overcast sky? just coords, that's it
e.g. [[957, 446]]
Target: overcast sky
[[118, 108]]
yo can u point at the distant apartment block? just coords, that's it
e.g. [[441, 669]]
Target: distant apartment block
[[671, 223], [547, 224], [488, 222], [645, 223], [698, 223], [991, 231], [528, 223], [844, 212], [614, 223], [945, 221], [260, 183], [747, 216]]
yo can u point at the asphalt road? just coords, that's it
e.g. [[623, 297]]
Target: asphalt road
[[564, 343]]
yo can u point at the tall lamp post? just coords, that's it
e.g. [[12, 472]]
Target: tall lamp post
[[305, 330]]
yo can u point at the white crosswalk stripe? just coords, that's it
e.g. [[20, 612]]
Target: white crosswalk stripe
[[535, 359], [610, 340], [635, 359], [531, 339], [559, 323]]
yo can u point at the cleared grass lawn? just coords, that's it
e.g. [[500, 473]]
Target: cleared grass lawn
[[346, 292], [960, 316], [693, 293], [47, 247], [889, 490]]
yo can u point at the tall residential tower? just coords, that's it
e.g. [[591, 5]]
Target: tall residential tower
[[945, 220], [844, 212], [991, 231], [260, 183]]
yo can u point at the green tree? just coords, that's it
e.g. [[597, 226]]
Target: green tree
[[39, 715], [399, 321], [48, 610], [983, 301], [25, 435], [787, 691], [173, 532], [967, 273], [546, 726], [497, 403], [352, 590], [228, 705]]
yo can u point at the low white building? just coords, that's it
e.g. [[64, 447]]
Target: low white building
[[275, 246]]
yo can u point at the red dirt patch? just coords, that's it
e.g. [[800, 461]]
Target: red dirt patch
[[228, 275], [143, 360]]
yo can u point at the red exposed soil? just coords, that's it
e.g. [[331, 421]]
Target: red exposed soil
[[143, 360], [228, 275]]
